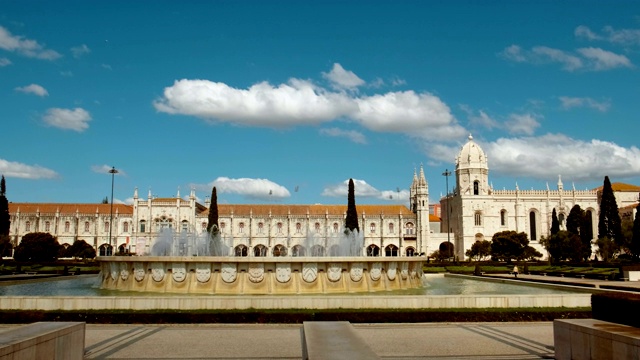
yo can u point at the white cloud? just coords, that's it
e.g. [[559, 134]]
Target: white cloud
[[26, 47], [76, 119], [604, 60], [585, 32], [622, 36], [364, 190], [23, 171], [79, 51], [4, 62], [33, 89], [544, 157], [481, 118], [106, 169], [352, 135], [570, 62], [342, 79], [513, 53], [300, 102], [571, 102], [253, 188], [522, 124]]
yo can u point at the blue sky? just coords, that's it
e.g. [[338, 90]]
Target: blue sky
[[283, 101]]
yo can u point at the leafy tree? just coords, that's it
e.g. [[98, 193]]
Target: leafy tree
[[507, 245], [351, 222], [446, 249], [438, 255], [579, 223], [37, 247], [530, 253], [80, 249], [105, 200], [5, 218], [606, 248], [634, 246], [5, 246], [212, 226], [563, 245], [555, 224], [479, 250], [609, 224], [575, 220]]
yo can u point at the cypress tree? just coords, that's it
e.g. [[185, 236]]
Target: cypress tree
[[213, 213], [635, 239], [351, 222], [575, 220], [555, 224], [609, 223], [5, 219]]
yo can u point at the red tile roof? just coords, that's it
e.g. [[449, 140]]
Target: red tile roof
[[618, 186], [52, 208]]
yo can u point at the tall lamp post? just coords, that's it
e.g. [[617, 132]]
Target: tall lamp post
[[446, 175], [113, 172]]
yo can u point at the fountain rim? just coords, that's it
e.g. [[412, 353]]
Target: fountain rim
[[239, 259]]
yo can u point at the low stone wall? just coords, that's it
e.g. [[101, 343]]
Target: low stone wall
[[43, 341], [587, 339], [355, 301]]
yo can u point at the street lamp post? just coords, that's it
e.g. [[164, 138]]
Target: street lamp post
[[446, 175], [113, 172]]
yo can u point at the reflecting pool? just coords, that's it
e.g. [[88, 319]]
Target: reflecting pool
[[433, 285]]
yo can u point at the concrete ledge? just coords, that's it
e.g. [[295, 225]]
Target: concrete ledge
[[333, 340], [586, 339], [43, 341]]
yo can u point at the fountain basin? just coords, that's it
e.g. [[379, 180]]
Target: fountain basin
[[259, 275]]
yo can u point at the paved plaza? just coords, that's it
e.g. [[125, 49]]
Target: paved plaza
[[390, 341]]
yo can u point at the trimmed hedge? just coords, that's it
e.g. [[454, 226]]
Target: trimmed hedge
[[296, 316], [616, 307]]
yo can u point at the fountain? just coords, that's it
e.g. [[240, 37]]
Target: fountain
[[185, 264]]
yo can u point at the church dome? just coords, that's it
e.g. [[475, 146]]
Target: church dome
[[471, 156]]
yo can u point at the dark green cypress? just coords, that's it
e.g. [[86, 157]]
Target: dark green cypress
[[213, 213], [609, 223], [351, 222], [635, 239], [5, 218], [555, 224]]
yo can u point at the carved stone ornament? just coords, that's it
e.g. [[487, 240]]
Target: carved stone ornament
[[256, 272], [157, 271], [114, 270], [404, 272], [203, 272], [356, 271], [375, 271], [334, 271], [283, 272], [138, 271], [124, 271], [229, 272], [310, 272], [178, 272], [392, 269]]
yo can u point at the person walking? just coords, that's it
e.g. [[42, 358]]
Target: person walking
[[515, 271]]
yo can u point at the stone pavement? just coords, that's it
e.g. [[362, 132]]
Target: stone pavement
[[466, 341]]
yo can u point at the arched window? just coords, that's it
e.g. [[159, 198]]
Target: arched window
[[47, 226], [260, 228], [106, 226], [185, 225], [410, 251], [532, 226], [334, 250], [317, 227], [589, 224], [241, 228], [143, 226], [503, 217], [240, 251], [409, 230], [317, 250], [297, 250], [298, 228], [391, 250], [222, 226], [66, 226], [561, 220], [373, 250], [86, 226], [260, 251], [279, 228], [336, 228], [279, 250], [372, 228], [476, 187], [391, 228], [27, 226], [477, 217], [204, 226]]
